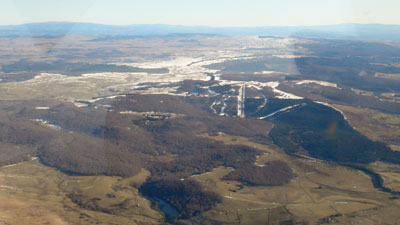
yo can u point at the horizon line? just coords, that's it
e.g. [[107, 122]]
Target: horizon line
[[210, 26]]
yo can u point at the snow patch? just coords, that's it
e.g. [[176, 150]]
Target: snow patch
[[42, 108], [282, 110], [47, 124], [268, 72], [282, 94], [80, 104], [322, 83]]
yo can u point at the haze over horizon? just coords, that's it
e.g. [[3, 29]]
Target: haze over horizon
[[238, 13], [210, 26]]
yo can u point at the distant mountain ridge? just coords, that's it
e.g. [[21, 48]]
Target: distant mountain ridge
[[339, 31]]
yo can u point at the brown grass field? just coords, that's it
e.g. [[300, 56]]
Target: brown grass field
[[31, 193]]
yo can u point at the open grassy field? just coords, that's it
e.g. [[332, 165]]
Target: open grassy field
[[392, 97], [390, 174], [392, 76], [31, 193], [374, 124]]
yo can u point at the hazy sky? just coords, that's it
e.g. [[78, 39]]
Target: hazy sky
[[202, 12]]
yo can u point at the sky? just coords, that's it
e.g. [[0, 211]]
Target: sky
[[202, 12]]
